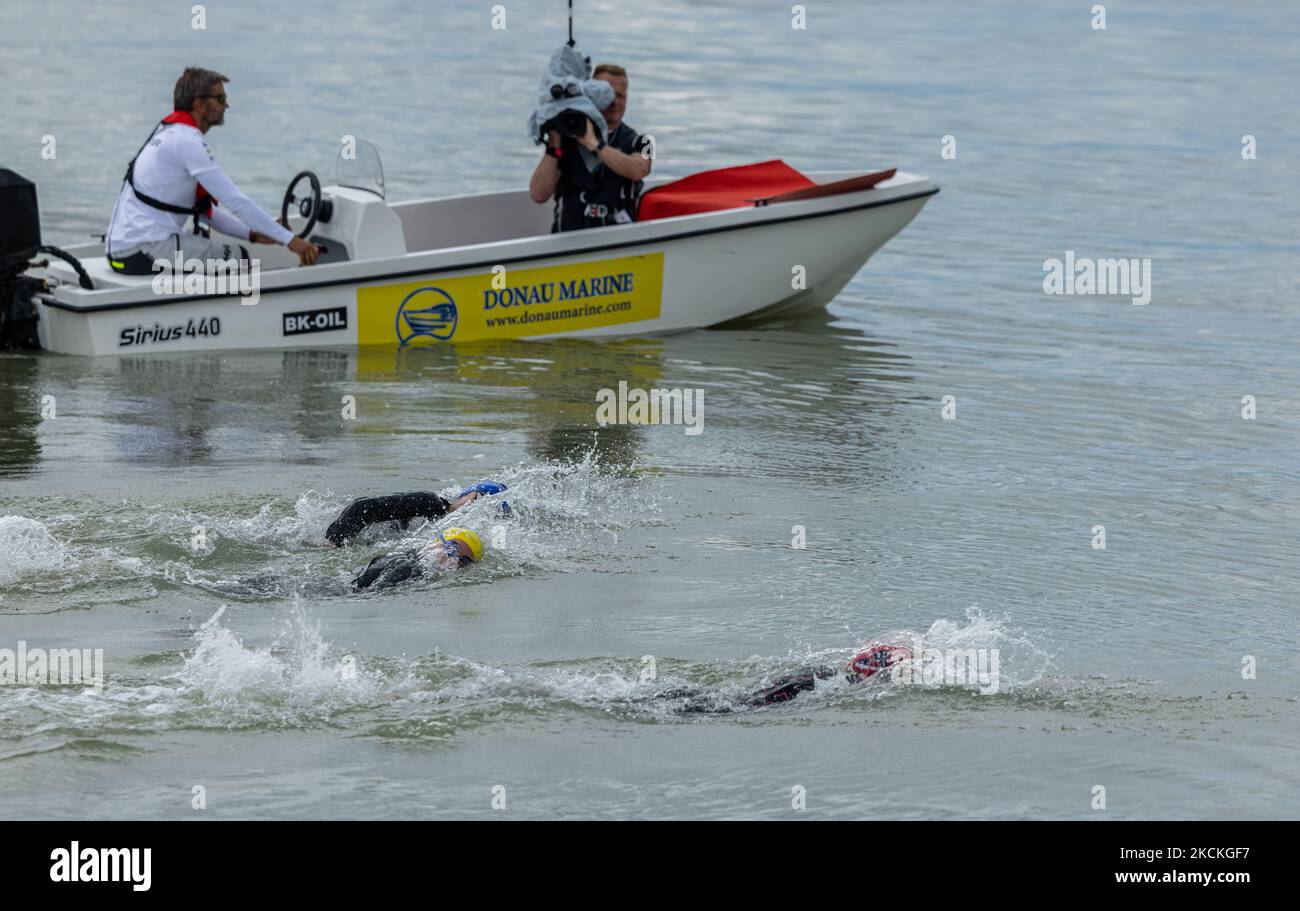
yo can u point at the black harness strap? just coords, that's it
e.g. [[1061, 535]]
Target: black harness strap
[[201, 203]]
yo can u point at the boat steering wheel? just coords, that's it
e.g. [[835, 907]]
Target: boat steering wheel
[[309, 207]]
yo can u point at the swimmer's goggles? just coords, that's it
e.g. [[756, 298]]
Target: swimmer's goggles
[[458, 550]]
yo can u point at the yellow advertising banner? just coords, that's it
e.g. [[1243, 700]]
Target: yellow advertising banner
[[512, 303]]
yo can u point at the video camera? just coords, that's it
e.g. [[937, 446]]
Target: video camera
[[568, 99], [568, 122]]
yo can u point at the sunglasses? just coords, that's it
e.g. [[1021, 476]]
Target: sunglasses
[[218, 98]]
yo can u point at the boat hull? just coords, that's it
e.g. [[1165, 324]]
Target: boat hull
[[646, 279]]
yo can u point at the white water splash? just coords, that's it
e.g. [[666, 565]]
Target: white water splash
[[26, 546], [298, 674]]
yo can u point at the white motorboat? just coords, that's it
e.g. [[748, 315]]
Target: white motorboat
[[481, 266]]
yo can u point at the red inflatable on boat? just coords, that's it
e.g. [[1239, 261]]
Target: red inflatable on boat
[[742, 187], [725, 188]]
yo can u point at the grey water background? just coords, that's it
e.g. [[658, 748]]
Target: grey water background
[[1120, 668]]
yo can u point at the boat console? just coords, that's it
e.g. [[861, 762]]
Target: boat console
[[350, 220]]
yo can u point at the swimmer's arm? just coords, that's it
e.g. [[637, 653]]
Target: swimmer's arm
[[783, 689], [400, 507], [463, 501], [455, 505]]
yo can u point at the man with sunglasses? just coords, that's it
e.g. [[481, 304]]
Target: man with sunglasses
[[173, 177]]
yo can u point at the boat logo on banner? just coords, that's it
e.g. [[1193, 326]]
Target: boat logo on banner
[[426, 313], [521, 301]]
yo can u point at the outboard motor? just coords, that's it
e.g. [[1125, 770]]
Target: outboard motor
[[20, 240]]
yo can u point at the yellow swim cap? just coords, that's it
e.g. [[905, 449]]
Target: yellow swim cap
[[471, 544]]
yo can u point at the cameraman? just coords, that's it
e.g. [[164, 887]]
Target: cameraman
[[607, 196]]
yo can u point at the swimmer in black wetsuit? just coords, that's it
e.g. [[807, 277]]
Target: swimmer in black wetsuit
[[395, 507], [454, 548], [874, 657], [403, 507]]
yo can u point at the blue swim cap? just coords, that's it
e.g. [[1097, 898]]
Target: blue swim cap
[[488, 489]]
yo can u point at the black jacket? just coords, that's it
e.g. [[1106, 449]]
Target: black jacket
[[579, 188]]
